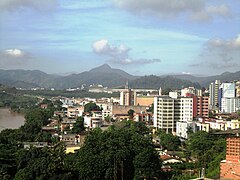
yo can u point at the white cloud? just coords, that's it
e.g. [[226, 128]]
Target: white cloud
[[14, 58], [101, 46], [221, 54], [118, 54], [233, 44], [197, 10], [14, 52], [36, 4]]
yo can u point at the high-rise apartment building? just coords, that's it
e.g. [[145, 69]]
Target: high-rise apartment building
[[214, 95], [228, 102], [164, 114], [167, 111], [200, 105]]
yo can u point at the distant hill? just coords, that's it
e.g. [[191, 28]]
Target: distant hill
[[164, 82], [205, 81], [106, 76]]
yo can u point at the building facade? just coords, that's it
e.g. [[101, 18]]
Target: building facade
[[230, 168], [168, 111]]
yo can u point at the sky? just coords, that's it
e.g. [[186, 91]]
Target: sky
[[141, 37]]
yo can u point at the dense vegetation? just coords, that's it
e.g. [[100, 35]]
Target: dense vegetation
[[122, 151], [118, 153], [156, 82], [12, 98], [63, 93]]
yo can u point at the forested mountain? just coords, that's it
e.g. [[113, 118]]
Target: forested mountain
[[164, 82], [106, 76]]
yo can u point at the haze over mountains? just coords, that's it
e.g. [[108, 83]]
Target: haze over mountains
[[106, 76]]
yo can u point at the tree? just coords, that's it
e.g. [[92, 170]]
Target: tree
[[209, 151], [78, 127], [151, 108], [118, 153], [199, 142], [169, 141], [130, 113], [90, 107], [45, 163]]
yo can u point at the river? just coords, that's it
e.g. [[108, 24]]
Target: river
[[11, 120]]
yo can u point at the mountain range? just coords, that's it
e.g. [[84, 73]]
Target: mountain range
[[106, 76]]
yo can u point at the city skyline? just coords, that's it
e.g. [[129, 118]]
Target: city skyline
[[140, 37]]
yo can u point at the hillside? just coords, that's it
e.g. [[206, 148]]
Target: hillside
[[106, 76], [164, 82], [205, 81]]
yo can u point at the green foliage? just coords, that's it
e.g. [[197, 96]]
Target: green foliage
[[16, 101], [69, 94], [209, 151], [7, 161], [78, 127], [151, 108], [119, 152], [166, 82], [169, 141], [90, 107], [199, 142], [46, 163], [130, 113]]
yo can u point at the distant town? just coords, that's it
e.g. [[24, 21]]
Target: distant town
[[180, 113]]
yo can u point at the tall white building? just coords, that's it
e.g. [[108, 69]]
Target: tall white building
[[230, 105], [164, 113], [168, 111], [228, 102]]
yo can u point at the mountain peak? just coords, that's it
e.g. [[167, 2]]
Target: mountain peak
[[102, 68], [226, 73]]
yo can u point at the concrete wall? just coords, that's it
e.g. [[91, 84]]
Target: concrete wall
[[117, 109]]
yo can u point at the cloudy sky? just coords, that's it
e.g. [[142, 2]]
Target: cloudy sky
[[139, 36]]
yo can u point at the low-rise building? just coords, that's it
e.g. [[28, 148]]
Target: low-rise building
[[74, 112], [143, 117], [184, 128]]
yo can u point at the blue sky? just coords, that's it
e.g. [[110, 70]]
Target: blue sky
[[141, 37]]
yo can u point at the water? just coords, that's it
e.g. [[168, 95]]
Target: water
[[10, 120]]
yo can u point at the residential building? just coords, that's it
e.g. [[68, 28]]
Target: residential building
[[164, 114], [233, 124], [184, 127], [230, 105], [230, 168], [168, 111], [203, 126], [74, 112], [213, 95], [191, 90], [200, 105], [143, 117], [67, 123], [94, 120], [127, 97]]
